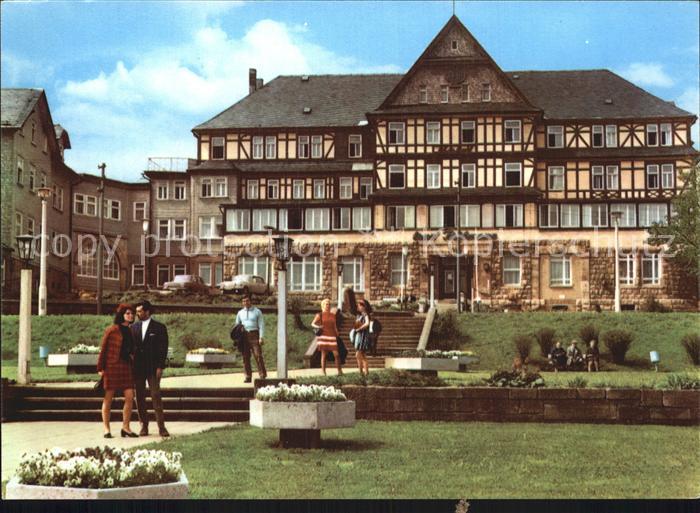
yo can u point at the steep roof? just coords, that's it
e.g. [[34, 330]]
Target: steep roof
[[16, 105]]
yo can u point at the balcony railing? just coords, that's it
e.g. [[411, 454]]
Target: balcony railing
[[179, 164]]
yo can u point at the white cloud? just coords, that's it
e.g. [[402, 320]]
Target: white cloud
[[690, 100], [647, 74], [19, 72], [150, 106]]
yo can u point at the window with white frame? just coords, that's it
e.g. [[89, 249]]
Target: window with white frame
[[341, 218], [667, 175], [298, 189], [355, 146], [237, 220], [511, 270], [666, 134], [611, 136], [560, 271], [263, 217], [42, 180], [469, 175], [513, 171], [252, 189], [318, 219], [549, 216], [218, 273], [19, 224], [399, 270], [651, 269], [595, 215], [508, 216], [597, 137], [138, 275], [469, 216], [444, 94], [401, 217], [110, 268], [30, 230], [345, 188], [556, 178], [84, 204], [627, 265], [433, 176], [179, 269], [437, 216], [163, 229], [179, 232], [365, 187], [361, 218], [179, 190], [31, 184], [303, 147], [652, 213], [652, 176], [597, 178], [316, 146], [258, 147], [652, 135], [612, 176], [555, 137], [628, 214], [163, 274], [59, 243], [87, 262], [270, 147], [205, 272], [397, 176], [273, 189], [353, 273], [206, 188], [291, 218], [305, 274], [207, 227], [20, 170], [512, 129], [220, 187], [569, 216], [397, 133], [465, 93], [112, 209], [486, 92], [255, 266], [217, 148], [162, 190], [432, 132], [319, 189], [468, 132]]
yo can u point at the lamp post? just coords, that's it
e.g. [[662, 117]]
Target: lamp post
[[44, 193], [477, 298], [404, 254], [24, 249], [144, 226], [432, 284], [101, 214], [341, 266], [615, 217], [283, 251], [459, 245]]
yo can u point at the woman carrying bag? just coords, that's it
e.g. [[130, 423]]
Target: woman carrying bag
[[327, 335], [360, 336]]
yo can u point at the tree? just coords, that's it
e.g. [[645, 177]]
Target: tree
[[682, 233]]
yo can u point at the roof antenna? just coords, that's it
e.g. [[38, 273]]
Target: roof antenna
[[453, 7]]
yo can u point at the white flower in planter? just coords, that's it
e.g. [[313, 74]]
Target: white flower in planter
[[84, 349], [300, 393]]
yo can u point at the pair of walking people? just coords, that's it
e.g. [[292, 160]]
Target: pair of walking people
[[131, 355]]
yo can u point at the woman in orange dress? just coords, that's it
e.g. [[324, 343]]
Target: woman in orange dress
[[327, 339], [115, 367]]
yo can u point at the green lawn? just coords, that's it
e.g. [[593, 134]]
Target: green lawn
[[435, 459]]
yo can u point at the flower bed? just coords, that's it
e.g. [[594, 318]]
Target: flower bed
[[300, 394], [84, 349], [212, 357], [420, 360]]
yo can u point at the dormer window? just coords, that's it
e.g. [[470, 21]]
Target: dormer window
[[316, 146], [257, 147], [423, 94], [303, 147], [355, 146], [597, 136], [652, 135], [444, 94], [512, 131], [555, 137], [666, 134], [217, 147], [486, 92], [397, 133], [270, 147]]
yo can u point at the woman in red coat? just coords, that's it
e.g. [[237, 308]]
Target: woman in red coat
[[115, 366]]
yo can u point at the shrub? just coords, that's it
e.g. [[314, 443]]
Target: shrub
[[545, 339], [189, 341], [515, 379], [446, 333], [577, 382], [691, 344], [384, 378], [618, 343], [587, 333], [681, 382], [296, 308], [522, 343], [651, 304]]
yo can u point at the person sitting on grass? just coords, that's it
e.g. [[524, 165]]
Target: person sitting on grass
[[574, 358], [593, 356], [558, 357]]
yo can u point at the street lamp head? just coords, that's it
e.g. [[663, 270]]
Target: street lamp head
[[144, 225], [432, 269], [44, 192], [24, 248], [341, 266], [283, 248], [404, 250]]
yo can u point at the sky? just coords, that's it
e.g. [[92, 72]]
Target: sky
[[129, 80]]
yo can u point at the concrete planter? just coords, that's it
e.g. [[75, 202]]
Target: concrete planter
[[422, 364], [287, 415], [74, 363], [210, 360], [177, 490]]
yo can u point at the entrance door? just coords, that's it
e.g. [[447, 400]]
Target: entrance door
[[447, 278], [448, 282]]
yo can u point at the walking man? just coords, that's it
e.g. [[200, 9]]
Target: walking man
[[251, 318], [151, 349]]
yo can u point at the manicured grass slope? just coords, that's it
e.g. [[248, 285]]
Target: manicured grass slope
[[437, 460]]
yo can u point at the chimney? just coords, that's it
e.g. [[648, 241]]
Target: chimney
[[258, 83], [252, 80]]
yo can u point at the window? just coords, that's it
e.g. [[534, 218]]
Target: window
[[595, 215], [597, 136], [465, 93], [652, 176], [444, 94], [423, 94], [205, 273], [178, 232], [305, 274], [87, 263], [263, 217], [237, 220], [399, 270], [19, 224], [316, 147], [549, 216], [433, 176], [468, 175], [652, 135], [217, 147], [454, 45], [258, 147], [179, 190], [207, 227], [341, 218], [252, 189], [31, 226], [317, 219], [432, 132], [556, 178], [298, 189], [666, 139], [555, 137], [221, 188], [303, 147], [509, 216], [560, 271], [58, 197], [319, 189], [513, 174], [353, 275], [628, 219], [469, 216], [355, 146], [611, 174], [365, 187], [84, 205], [163, 274], [468, 132], [611, 136], [345, 188], [361, 218], [486, 92], [397, 132], [667, 176], [112, 209], [597, 178], [179, 269], [651, 269], [512, 131], [273, 189], [42, 180], [110, 268], [206, 188], [163, 229], [397, 176], [138, 275], [652, 213], [162, 190], [401, 217], [627, 265], [20, 170], [32, 177], [255, 266], [511, 270], [270, 147], [218, 273], [291, 219], [442, 216], [569, 216]]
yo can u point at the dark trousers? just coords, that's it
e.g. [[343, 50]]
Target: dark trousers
[[252, 343], [154, 387]]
